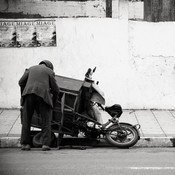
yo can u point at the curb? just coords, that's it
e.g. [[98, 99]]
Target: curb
[[10, 142], [156, 142], [14, 142]]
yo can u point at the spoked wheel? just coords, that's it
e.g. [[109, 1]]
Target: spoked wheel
[[37, 139], [123, 136], [59, 140]]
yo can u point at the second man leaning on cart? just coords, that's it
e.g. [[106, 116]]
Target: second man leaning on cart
[[38, 85]]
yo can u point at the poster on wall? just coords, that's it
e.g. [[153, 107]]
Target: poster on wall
[[46, 33], [7, 34], [26, 34]]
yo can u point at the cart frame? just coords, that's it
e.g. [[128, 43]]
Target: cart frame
[[69, 105]]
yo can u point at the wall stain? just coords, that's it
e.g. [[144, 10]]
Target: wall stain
[[14, 9], [22, 15]]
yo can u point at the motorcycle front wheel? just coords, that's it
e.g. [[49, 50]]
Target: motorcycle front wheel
[[122, 136]]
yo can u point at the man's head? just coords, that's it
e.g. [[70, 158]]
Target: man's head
[[47, 63]]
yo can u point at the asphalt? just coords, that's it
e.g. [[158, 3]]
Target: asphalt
[[157, 127]]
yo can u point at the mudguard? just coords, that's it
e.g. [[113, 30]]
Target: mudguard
[[137, 127]]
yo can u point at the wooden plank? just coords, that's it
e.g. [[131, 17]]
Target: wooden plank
[[115, 9], [147, 10], [149, 124], [159, 10], [54, 9], [109, 8]]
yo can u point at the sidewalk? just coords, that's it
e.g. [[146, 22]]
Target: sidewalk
[[157, 127]]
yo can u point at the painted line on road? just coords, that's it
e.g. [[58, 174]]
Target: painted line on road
[[152, 168]]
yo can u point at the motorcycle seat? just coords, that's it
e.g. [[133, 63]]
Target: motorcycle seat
[[114, 110]]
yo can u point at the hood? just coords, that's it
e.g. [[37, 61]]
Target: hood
[[47, 63]]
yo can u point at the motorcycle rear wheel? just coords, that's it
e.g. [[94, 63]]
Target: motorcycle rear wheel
[[37, 140], [123, 136]]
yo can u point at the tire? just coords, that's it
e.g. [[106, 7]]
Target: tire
[[122, 136], [59, 139], [37, 139]]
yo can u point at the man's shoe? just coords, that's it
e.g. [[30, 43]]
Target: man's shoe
[[45, 148], [25, 147]]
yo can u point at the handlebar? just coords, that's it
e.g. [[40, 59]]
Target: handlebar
[[88, 75]]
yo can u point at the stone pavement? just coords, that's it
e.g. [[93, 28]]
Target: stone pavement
[[157, 127]]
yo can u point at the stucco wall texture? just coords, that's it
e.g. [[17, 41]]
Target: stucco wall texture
[[135, 61]]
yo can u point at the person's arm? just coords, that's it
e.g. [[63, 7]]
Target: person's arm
[[54, 87], [22, 83], [23, 80]]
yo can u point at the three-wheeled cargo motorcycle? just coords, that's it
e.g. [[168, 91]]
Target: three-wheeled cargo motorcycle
[[77, 111]]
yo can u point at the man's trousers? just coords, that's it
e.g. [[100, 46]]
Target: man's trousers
[[33, 102]]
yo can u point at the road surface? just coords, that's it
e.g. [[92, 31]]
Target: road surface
[[92, 161]]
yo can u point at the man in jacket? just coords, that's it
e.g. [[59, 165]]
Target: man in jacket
[[38, 92]]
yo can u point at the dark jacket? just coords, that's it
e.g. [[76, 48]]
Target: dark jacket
[[39, 80]]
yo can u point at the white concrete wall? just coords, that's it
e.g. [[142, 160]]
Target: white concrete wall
[[81, 43], [152, 64], [120, 9], [135, 62]]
